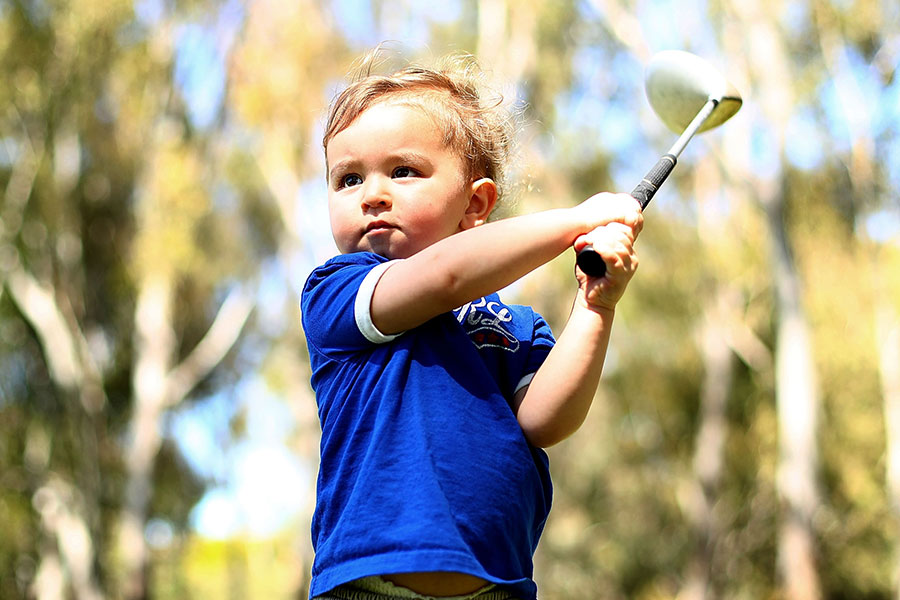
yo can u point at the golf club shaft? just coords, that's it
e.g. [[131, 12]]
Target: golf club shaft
[[588, 260], [694, 125]]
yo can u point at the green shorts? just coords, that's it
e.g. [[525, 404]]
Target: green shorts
[[378, 588]]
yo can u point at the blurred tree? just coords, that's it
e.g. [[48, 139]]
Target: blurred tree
[[857, 54], [125, 289], [733, 275], [284, 68]]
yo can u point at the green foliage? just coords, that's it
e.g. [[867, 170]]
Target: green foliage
[[235, 568], [553, 68]]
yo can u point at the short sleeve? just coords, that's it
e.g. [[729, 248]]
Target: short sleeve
[[362, 307], [542, 342], [335, 304]]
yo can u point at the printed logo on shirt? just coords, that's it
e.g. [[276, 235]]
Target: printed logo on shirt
[[483, 321]]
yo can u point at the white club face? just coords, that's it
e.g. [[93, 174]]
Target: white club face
[[679, 83]]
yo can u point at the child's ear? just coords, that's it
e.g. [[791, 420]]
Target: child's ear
[[482, 198]]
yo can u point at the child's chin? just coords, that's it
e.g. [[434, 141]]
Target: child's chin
[[391, 251], [386, 252]]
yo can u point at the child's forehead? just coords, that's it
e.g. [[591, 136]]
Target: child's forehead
[[420, 103], [424, 117], [429, 104], [399, 116], [392, 128]]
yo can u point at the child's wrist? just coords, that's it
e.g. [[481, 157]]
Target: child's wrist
[[605, 311], [581, 220]]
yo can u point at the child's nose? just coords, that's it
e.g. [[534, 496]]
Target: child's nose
[[376, 193]]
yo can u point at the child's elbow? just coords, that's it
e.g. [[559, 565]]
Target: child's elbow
[[442, 280], [547, 421], [546, 435]]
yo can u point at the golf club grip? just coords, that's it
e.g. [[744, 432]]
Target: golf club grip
[[588, 260], [654, 178]]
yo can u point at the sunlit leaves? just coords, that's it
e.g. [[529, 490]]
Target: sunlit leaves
[[170, 205]]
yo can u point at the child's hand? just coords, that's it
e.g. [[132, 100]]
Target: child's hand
[[600, 209], [615, 244]]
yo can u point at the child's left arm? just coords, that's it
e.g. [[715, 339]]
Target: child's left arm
[[557, 400]]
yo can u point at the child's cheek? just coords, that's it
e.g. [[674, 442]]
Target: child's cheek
[[340, 230]]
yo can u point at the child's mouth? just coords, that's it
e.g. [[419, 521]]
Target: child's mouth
[[379, 226]]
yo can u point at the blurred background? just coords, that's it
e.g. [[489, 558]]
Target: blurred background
[[163, 200]]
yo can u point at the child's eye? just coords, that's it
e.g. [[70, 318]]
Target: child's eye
[[349, 180], [405, 172]]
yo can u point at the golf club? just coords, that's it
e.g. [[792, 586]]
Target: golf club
[[689, 96]]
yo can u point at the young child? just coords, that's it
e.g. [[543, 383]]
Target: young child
[[435, 397]]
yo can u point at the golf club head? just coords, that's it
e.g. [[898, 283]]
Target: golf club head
[[679, 83]]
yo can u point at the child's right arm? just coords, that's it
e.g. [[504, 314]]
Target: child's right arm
[[487, 258]]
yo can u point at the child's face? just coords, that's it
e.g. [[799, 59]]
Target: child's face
[[394, 188]]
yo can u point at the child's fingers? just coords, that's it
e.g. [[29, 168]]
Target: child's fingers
[[606, 208], [605, 234], [620, 230], [615, 244]]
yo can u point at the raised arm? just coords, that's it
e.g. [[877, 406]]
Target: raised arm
[[484, 259], [556, 402]]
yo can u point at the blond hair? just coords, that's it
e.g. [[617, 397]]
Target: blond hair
[[475, 124]]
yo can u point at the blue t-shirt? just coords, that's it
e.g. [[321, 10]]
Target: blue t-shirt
[[423, 464]]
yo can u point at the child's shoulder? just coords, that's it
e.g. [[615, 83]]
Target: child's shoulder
[[352, 258], [340, 262]]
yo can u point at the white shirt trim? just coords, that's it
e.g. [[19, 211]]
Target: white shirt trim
[[525, 381], [362, 308]]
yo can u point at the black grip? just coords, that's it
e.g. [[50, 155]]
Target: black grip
[[654, 178], [588, 260], [591, 263]]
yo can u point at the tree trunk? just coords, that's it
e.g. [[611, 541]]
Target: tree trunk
[[70, 545], [157, 385], [753, 32], [78, 381], [709, 447], [154, 351], [797, 408]]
